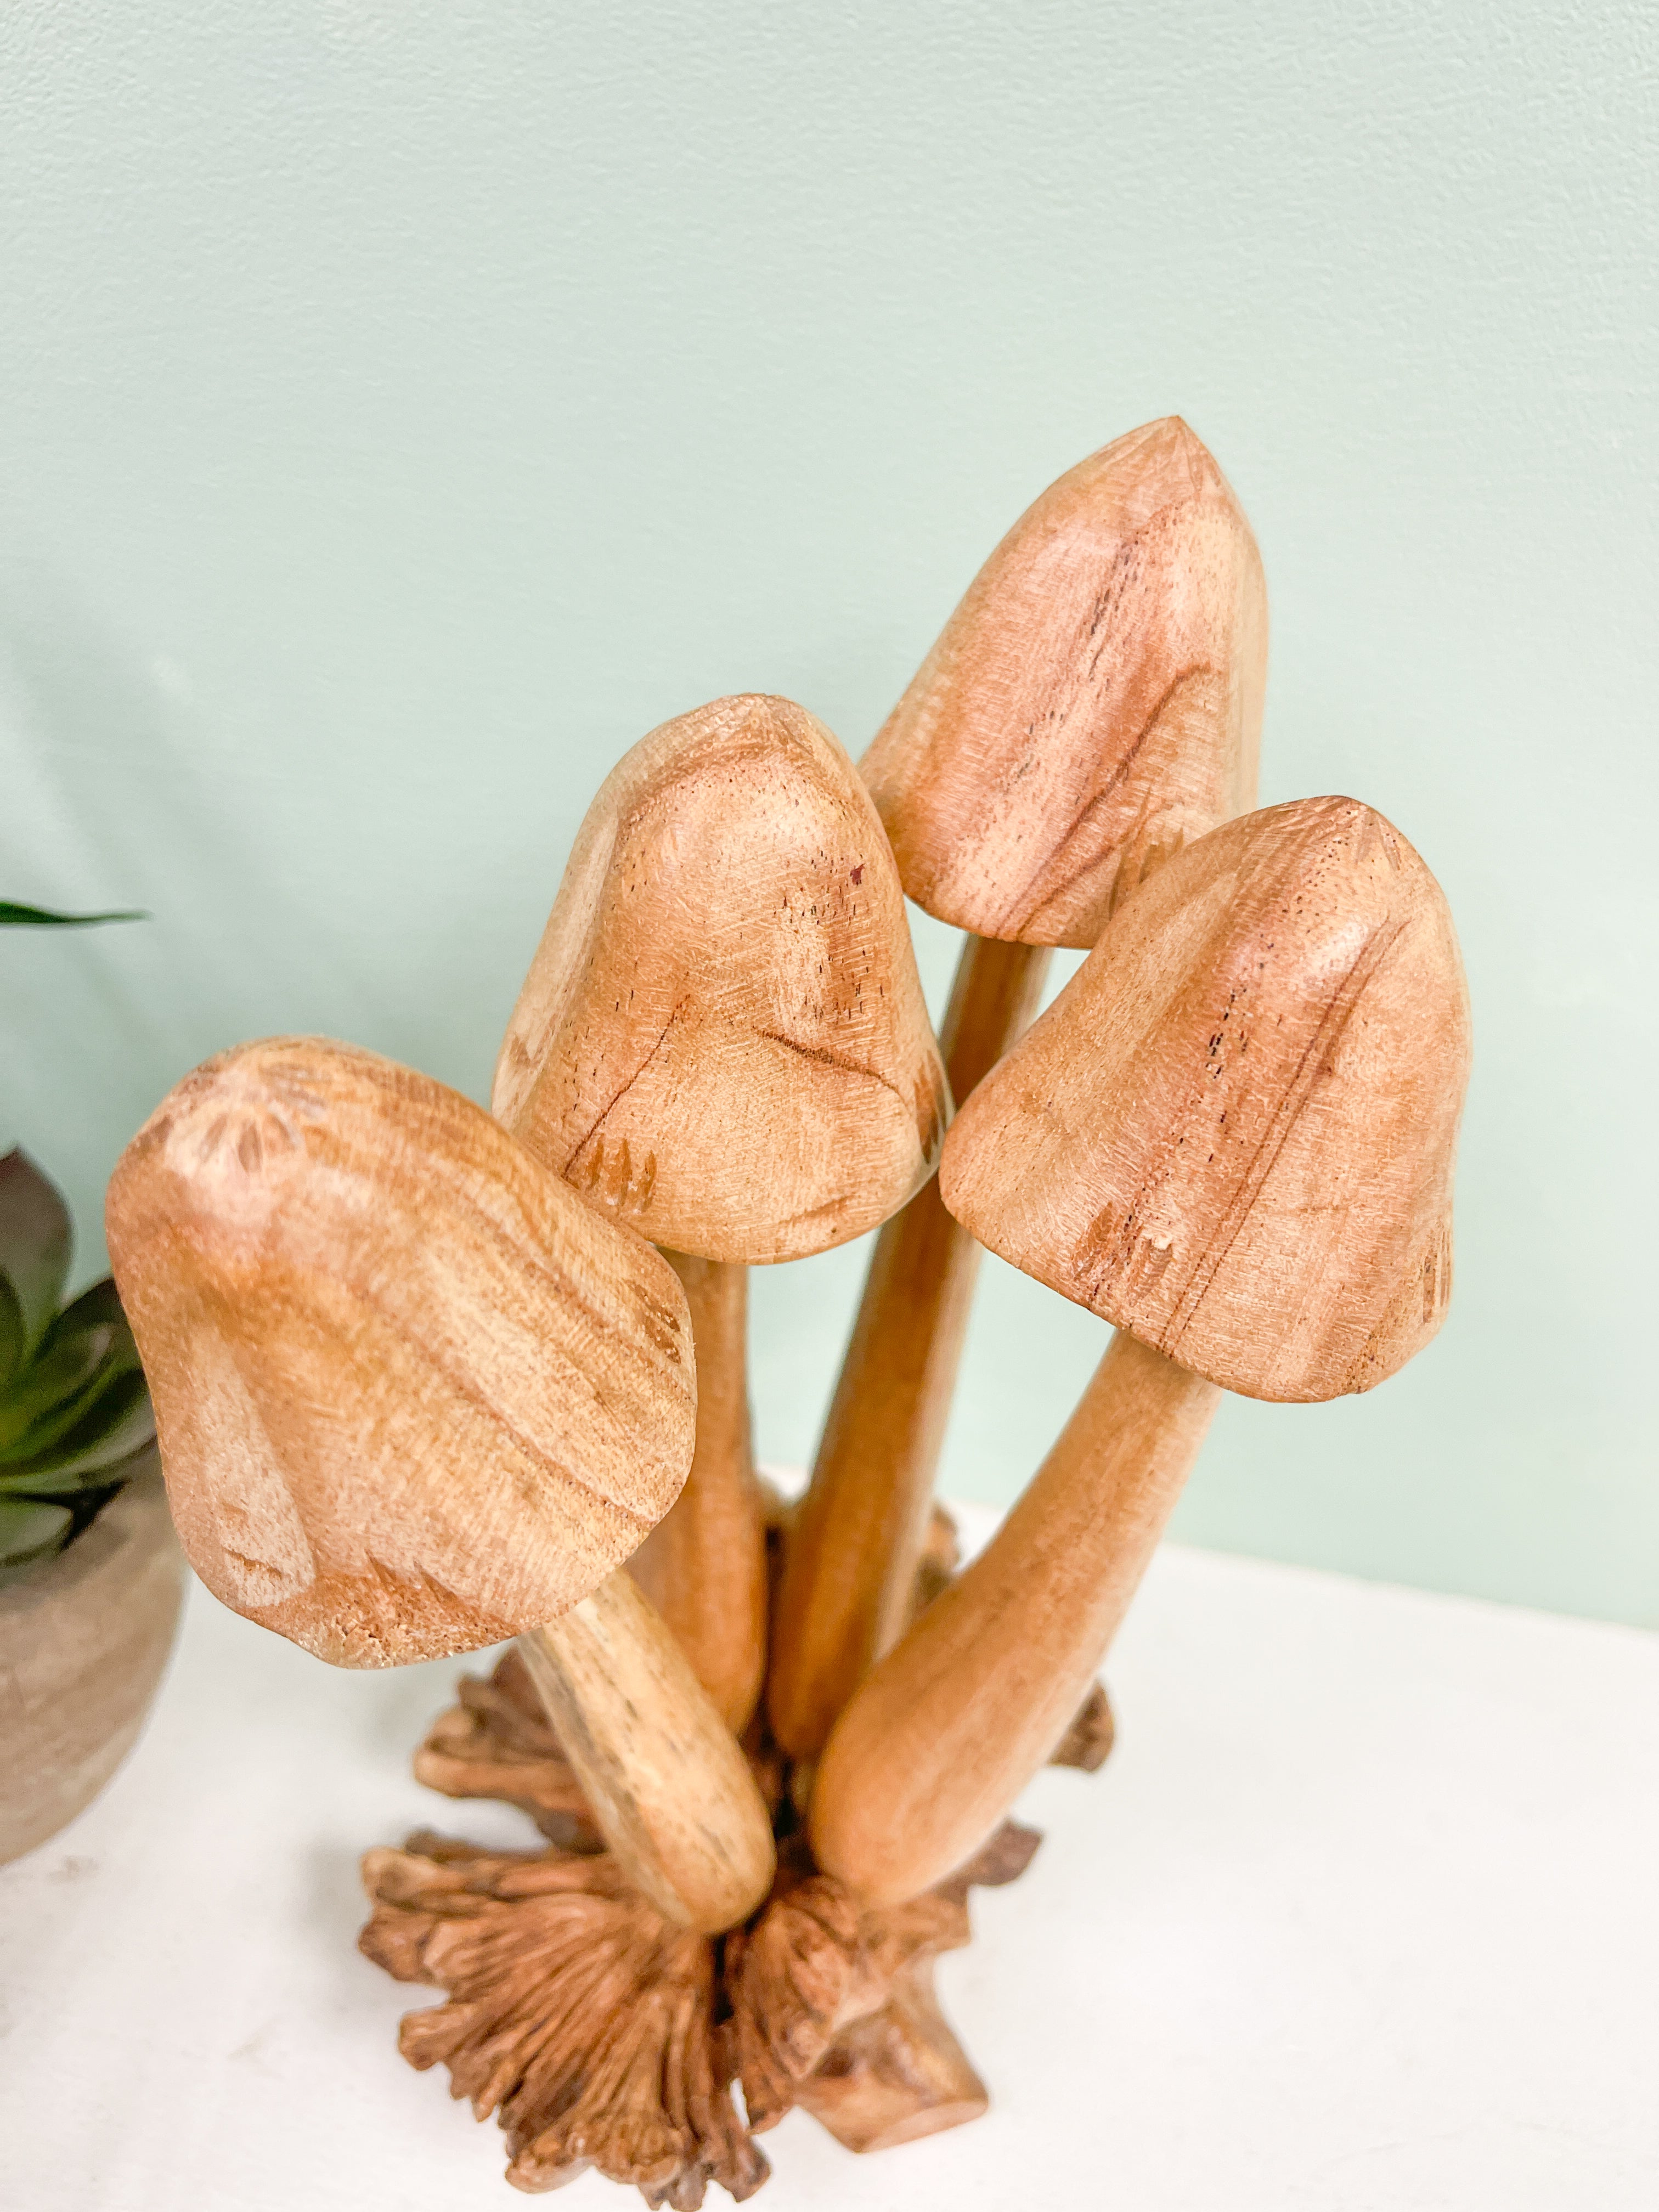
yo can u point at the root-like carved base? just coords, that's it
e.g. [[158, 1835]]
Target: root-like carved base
[[573, 2008], [605, 2037], [833, 2006], [498, 1742]]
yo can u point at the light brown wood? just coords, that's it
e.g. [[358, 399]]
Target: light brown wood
[[1233, 1131], [855, 1538], [497, 1741], [1249, 1093], [1093, 703], [897, 2074], [672, 1792], [831, 1997], [831, 2002], [703, 1566], [572, 2009], [596, 2032], [942, 1737], [412, 1395], [722, 1040]]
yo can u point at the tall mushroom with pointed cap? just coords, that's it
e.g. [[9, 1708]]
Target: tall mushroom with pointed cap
[[1232, 1136], [1093, 704], [722, 1042], [412, 1397]]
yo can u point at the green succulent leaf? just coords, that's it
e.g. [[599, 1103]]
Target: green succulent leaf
[[98, 1308], [75, 1413], [81, 1420], [53, 1383], [86, 1462], [72, 1484], [28, 1533], [14, 916], [35, 1243], [14, 1335], [88, 1340]]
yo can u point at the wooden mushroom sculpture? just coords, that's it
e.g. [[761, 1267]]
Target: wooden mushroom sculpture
[[1093, 704], [412, 1397], [1231, 1135], [722, 1043]]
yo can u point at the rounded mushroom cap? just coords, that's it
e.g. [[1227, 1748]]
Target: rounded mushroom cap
[[1094, 702], [412, 1395], [1232, 1133], [722, 1040]]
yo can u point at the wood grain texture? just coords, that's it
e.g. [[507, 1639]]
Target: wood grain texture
[[572, 2009], [1233, 1131], [897, 2074], [856, 1536], [497, 1741], [818, 2001], [1094, 702], [722, 1040], [671, 1791], [603, 2036], [412, 1395], [832, 2002], [703, 1566], [1233, 1134], [980, 1692]]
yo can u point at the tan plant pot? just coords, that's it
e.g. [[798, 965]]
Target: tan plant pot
[[83, 1643]]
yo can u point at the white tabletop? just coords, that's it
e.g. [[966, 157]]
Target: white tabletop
[[1360, 1914]]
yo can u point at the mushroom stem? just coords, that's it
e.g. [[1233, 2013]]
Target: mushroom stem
[[703, 1566], [858, 1533], [672, 1793], [947, 1731]]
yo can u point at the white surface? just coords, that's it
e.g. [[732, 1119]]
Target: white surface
[[1358, 1917]]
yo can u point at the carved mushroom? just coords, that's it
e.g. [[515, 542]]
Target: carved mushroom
[[412, 1397], [1232, 1135], [1094, 703], [722, 1043]]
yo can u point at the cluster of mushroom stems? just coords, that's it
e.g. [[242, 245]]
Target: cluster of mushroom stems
[[428, 1377]]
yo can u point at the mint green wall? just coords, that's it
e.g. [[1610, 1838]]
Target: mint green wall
[[404, 407]]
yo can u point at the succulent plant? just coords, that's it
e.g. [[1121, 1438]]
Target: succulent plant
[[74, 1410], [75, 1414]]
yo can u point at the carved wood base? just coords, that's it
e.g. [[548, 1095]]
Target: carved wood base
[[572, 2010], [833, 2007], [498, 1742], [603, 2036]]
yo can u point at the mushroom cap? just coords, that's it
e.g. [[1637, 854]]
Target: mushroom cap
[[412, 1395], [722, 1039], [1094, 702], [1232, 1133]]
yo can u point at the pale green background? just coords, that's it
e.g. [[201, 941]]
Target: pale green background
[[402, 408]]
